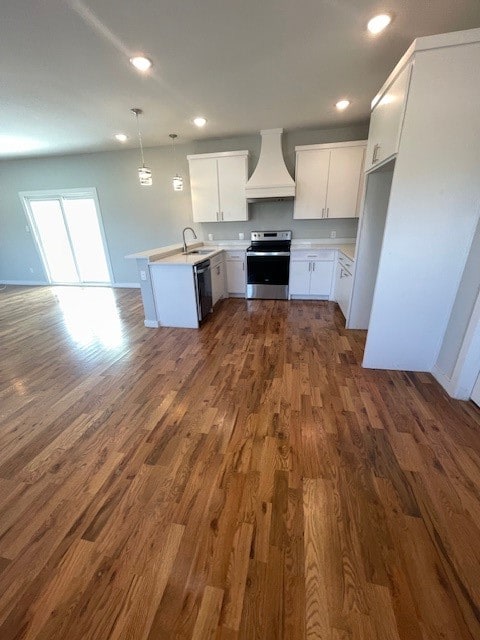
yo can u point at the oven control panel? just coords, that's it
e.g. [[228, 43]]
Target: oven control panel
[[265, 236]]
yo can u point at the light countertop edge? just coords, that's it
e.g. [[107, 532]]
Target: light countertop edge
[[172, 254]]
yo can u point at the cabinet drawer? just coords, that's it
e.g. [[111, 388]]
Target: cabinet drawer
[[216, 260], [316, 254], [345, 262], [235, 255]]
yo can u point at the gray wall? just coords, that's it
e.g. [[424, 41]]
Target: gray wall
[[134, 217], [137, 218]]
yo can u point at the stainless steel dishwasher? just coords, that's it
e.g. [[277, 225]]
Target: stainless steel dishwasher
[[203, 288]]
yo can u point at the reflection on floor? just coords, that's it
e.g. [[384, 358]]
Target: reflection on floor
[[91, 315], [247, 480]]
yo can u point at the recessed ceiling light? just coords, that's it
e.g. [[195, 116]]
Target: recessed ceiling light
[[121, 137], [200, 121], [342, 104], [141, 63], [379, 23]]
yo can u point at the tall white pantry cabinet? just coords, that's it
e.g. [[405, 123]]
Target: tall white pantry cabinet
[[422, 201]]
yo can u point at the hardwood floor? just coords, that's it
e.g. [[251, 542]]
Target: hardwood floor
[[245, 481]]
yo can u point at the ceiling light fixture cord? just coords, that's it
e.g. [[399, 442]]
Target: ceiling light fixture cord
[[136, 112], [177, 181]]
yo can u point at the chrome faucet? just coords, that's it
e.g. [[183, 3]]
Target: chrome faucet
[[184, 241]]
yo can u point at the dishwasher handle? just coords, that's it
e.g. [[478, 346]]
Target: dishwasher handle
[[201, 267]]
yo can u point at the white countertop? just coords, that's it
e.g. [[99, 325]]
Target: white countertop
[[347, 249], [173, 254]]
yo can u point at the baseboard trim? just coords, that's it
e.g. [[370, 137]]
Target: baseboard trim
[[125, 285], [25, 283], [443, 380], [296, 296], [151, 324], [37, 283]]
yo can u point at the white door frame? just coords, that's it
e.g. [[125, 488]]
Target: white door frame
[[44, 194], [467, 367]]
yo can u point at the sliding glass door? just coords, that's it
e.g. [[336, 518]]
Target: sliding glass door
[[67, 229]]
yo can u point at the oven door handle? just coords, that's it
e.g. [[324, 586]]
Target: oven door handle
[[268, 253]]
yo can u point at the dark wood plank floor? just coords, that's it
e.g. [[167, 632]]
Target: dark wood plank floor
[[245, 481]]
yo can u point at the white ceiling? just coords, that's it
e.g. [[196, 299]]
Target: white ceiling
[[67, 84]]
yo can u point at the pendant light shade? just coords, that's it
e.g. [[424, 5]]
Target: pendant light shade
[[144, 173], [145, 176], [177, 181]]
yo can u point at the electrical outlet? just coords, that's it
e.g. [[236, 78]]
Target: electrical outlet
[[333, 234], [241, 236], [143, 275], [31, 269], [27, 228]]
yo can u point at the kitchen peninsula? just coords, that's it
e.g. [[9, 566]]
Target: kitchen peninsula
[[167, 282]]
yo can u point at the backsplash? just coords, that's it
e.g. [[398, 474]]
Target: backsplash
[[279, 215]]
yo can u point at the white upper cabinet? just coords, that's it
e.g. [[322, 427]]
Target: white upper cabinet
[[311, 179], [232, 177], [217, 183], [344, 181], [386, 121], [328, 180], [204, 187]]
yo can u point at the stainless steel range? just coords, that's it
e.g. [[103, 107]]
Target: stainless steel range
[[268, 264]]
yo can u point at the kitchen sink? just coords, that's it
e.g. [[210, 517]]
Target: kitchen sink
[[200, 252]]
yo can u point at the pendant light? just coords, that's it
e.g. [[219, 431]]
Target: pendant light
[[144, 173], [177, 180]]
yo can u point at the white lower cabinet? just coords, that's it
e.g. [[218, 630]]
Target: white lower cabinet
[[217, 270], [173, 288], [343, 283], [299, 278], [343, 288], [311, 274], [236, 270], [321, 278]]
